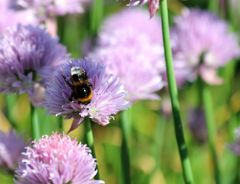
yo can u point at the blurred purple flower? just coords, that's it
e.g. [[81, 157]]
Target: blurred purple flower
[[51, 8], [153, 5], [197, 125], [57, 159], [133, 51], [201, 44], [108, 95], [235, 147], [10, 17], [11, 146], [28, 55]]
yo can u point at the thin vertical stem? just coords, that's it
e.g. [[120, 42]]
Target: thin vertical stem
[[35, 127], [96, 15], [124, 148], [10, 100], [208, 110], [226, 9], [90, 140], [60, 122], [182, 148], [237, 173], [61, 25], [213, 6]]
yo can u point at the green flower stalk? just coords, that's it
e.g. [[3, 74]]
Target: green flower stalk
[[214, 6], [96, 14], [10, 100], [124, 123], [187, 171], [35, 127], [208, 110], [90, 140]]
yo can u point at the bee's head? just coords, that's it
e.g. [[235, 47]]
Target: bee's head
[[78, 73]]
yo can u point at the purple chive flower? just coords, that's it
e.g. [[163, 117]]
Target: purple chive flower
[[15, 17], [28, 56], [201, 44], [96, 95], [11, 146], [153, 5], [235, 147], [197, 125], [133, 51], [57, 159], [51, 8]]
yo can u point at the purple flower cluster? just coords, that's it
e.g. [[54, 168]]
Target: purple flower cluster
[[49, 8], [107, 94], [201, 44], [57, 159], [10, 17], [28, 55], [11, 146], [133, 51]]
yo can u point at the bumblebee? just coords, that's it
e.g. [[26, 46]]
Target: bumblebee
[[82, 89]]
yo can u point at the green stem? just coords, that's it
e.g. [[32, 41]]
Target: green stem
[[182, 148], [124, 148], [90, 141], [96, 14], [209, 116], [226, 7], [237, 173], [213, 6], [61, 25], [60, 122], [10, 101], [35, 127]]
